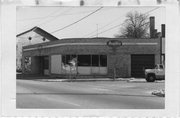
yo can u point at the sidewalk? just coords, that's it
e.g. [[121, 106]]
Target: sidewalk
[[93, 79]]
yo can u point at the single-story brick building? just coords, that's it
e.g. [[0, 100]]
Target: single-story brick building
[[93, 57], [97, 57]]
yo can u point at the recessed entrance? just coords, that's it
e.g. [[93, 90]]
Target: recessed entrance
[[43, 64]]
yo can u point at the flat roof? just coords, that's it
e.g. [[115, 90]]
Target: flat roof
[[91, 40]]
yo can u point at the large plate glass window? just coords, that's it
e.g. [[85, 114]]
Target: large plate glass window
[[84, 60], [103, 61]]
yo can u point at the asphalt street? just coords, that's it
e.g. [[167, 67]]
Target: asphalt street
[[33, 94]]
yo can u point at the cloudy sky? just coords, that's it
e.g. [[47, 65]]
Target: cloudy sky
[[107, 20]]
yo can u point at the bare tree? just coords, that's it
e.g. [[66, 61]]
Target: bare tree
[[136, 25]]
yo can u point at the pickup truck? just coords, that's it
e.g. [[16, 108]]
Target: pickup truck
[[158, 73]]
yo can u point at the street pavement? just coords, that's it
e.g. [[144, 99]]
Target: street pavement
[[33, 94]]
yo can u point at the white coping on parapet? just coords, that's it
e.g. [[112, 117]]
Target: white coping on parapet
[[66, 44]]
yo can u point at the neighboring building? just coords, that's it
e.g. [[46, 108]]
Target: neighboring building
[[30, 37], [93, 57]]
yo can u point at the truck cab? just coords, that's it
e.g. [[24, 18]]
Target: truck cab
[[157, 73]]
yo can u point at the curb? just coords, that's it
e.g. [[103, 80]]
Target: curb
[[130, 80], [80, 80]]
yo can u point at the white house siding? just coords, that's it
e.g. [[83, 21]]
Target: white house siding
[[56, 64]]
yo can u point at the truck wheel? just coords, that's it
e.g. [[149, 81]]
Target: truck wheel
[[150, 78]]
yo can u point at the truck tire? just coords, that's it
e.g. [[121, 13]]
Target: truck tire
[[151, 78]]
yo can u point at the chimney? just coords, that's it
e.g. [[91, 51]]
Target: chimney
[[163, 30], [152, 26]]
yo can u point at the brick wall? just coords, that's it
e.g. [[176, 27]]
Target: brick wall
[[121, 64], [121, 60]]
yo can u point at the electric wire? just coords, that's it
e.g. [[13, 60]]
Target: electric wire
[[37, 18], [108, 29], [120, 24], [77, 20], [48, 21], [46, 16], [101, 27]]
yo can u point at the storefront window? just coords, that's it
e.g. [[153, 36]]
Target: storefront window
[[103, 60], [63, 59], [69, 63], [95, 60], [84, 60], [69, 59]]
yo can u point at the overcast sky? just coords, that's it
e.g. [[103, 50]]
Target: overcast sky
[[54, 18]]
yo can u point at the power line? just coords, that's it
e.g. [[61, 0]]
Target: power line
[[100, 28], [37, 18], [109, 29], [151, 10], [49, 15], [74, 22], [103, 26], [48, 21], [77, 21], [62, 14], [120, 24]]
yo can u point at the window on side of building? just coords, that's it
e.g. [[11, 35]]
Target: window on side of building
[[68, 58], [84, 60], [64, 59], [95, 60], [103, 60]]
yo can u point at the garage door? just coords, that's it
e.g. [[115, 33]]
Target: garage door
[[141, 62]]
